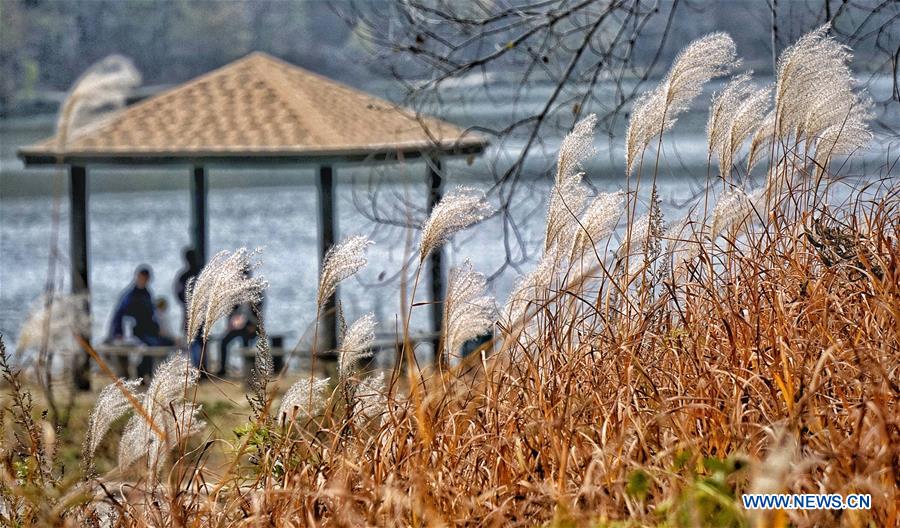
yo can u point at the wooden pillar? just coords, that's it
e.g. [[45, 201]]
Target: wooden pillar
[[327, 211], [199, 236], [435, 260], [78, 262]]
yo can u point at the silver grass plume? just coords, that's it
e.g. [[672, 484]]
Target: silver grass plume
[[55, 321], [576, 147], [812, 67], [341, 261], [731, 208], [356, 345], [722, 108], [674, 235], [735, 112], [102, 87], [222, 284], [112, 403], [816, 96], [529, 290], [639, 231], [598, 221], [771, 474], [846, 136], [165, 404], [459, 209], [567, 194], [566, 204], [657, 111], [370, 399], [468, 312], [297, 398], [761, 140], [750, 116]]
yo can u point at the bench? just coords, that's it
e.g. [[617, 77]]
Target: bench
[[302, 357], [117, 356]]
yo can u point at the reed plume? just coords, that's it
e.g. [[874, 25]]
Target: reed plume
[[656, 111], [735, 112], [225, 282], [55, 321], [528, 291], [461, 208], [111, 404], [165, 405], [749, 116], [341, 261], [566, 204], [297, 398], [598, 222], [356, 345], [370, 399], [468, 312], [762, 139], [576, 147], [567, 195], [103, 87], [816, 98], [732, 207], [846, 134]]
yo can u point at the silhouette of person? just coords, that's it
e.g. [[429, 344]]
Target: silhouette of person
[[192, 268], [136, 304], [243, 322]]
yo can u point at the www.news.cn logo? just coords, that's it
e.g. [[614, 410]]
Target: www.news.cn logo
[[806, 501]]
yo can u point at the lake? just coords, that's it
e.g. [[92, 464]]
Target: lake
[[142, 216]]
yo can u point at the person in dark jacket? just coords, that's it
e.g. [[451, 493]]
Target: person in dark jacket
[[136, 304], [192, 267]]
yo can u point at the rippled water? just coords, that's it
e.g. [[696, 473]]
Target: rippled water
[[276, 209], [152, 227]]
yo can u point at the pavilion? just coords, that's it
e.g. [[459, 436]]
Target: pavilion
[[257, 111]]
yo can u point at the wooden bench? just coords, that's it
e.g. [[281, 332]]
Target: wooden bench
[[388, 342], [117, 356]]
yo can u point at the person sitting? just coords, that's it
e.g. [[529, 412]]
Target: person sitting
[[243, 322], [136, 303]]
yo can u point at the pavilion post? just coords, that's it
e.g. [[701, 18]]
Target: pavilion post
[[199, 190], [435, 260], [328, 320], [78, 262]]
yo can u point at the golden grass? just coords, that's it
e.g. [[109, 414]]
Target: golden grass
[[769, 348], [644, 387]]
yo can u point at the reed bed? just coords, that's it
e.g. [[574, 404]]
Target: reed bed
[[645, 378]]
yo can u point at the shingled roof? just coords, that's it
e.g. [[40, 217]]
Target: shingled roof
[[257, 107]]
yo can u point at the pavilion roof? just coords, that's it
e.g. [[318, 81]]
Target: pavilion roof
[[257, 107]]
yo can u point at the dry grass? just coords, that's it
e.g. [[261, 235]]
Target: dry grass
[[646, 384]]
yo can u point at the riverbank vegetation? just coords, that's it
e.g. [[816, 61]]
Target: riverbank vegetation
[[648, 371]]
